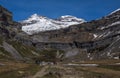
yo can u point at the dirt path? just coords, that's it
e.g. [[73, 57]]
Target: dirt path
[[43, 71], [40, 73]]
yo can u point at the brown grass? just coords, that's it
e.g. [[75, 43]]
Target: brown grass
[[107, 72], [18, 69], [111, 61], [10, 66]]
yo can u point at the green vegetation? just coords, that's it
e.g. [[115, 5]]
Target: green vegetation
[[2, 50], [25, 51], [4, 54], [50, 55]]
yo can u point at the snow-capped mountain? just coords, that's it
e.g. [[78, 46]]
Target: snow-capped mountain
[[98, 39], [36, 23]]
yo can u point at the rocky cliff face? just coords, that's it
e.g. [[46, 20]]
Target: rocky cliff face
[[98, 39]]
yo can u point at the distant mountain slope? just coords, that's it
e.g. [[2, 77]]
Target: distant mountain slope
[[36, 23], [80, 40], [97, 39]]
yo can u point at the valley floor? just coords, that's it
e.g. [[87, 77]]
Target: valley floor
[[89, 69]]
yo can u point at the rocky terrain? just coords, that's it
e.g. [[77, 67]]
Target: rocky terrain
[[67, 41], [98, 39]]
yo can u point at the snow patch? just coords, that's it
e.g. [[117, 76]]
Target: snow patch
[[117, 63], [116, 57], [88, 55], [115, 11], [85, 65], [95, 35], [113, 24]]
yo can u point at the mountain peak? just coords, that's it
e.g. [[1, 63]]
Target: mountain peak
[[36, 23], [69, 18], [34, 18], [34, 15]]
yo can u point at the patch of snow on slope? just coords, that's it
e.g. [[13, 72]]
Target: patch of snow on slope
[[113, 24], [115, 11], [95, 36], [69, 18]]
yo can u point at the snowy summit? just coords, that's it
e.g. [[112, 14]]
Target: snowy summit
[[36, 23]]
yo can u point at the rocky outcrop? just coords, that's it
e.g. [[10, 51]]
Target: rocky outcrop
[[5, 16], [9, 48]]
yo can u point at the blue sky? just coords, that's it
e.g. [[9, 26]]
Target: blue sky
[[86, 9]]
